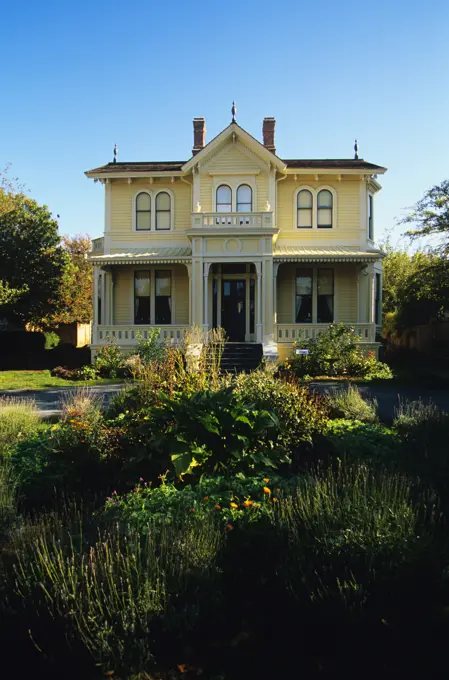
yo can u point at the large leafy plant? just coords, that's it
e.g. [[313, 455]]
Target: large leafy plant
[[214, 431]]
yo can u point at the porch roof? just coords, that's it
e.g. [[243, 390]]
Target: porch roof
[[325, 254], [145, 255]]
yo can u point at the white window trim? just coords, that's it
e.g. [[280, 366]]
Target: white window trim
[[314, 268], [315, 191], [152, 269], [233, 183], [153, 196]]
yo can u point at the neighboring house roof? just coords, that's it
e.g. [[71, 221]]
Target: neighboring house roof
[[325, 254], [143, 255]]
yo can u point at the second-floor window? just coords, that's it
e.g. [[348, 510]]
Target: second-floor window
[[143, 212], [324, 204], [163, 211], [370, 218], [305, 209], [224, 198], [244, 198]]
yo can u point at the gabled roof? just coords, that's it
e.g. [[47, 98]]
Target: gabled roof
[[247, 139], [136, 167]]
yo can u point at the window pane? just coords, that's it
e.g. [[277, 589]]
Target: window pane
[[244, 198], [304, 281], [163, 220], [325, 199], [143, 202], [304, 217], [163, 201], [224, 195], [142, 310], [304, 199], [224, 208], [142, 284], [324, 217], [325, 310], [143, 221], [163, 283], [325, 281]]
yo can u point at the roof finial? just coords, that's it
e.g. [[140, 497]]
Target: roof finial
[[115, 153], [234, 112], [356, 150]]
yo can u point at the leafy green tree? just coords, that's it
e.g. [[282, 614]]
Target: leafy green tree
[[430, 217], [73, 301], [31, 256]]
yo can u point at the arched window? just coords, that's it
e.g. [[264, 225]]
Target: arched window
[[304, 209], [324, 209], [244, 198], [163, 211], [224, 199], [143, 212]]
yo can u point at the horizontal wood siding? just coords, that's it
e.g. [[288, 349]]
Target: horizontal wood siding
[[262, 192], [346, 293], [285, 285], [181, 291], [206, 192], [123, 296], [232, 159]]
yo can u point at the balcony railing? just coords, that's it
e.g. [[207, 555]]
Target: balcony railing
[[251, 220], [290, 332], [97, 246], [126, 336]]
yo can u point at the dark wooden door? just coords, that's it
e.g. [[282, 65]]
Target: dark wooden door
[[233, 309]]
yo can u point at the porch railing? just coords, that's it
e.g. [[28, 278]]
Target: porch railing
[[126, 336], [238, 220], [290, 332]]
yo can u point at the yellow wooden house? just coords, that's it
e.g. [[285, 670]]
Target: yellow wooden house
[[238, 238]]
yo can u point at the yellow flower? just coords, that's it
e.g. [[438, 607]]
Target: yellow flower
[[266, 480], [266, 489], [248, 503], [233, 505], [275, 500]]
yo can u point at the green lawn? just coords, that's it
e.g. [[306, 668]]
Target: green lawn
[[42, 380]]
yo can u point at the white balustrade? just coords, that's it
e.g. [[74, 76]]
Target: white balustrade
[[126, 336], [291, 332], [259, 220]]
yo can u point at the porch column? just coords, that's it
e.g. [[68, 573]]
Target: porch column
[[111, 297], [206, 267], [197, 292], [275, 297], [267, 267], [259, 324], [371, 302], [189, 272], [95, 304]]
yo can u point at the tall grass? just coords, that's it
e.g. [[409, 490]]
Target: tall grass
[[81, 402], [351, 405], [19, 418], [8, 494], [111, 594]]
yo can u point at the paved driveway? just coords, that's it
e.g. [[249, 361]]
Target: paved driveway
[[389, 396], [49, 401]]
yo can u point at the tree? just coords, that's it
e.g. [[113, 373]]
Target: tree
[[31, 256], [73, 302], [430, 217]]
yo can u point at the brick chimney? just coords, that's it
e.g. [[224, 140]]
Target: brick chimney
[[199, 135], [268, 133]]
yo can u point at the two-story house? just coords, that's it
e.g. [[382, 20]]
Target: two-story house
[[238, 238]]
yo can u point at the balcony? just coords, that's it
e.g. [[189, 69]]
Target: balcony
[[239, 220], [291, 332]]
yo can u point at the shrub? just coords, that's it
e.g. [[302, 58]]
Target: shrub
[[52, 339], [300, 414], [151, 348], [18, 419], [215, 431], [372, 443], [348, 403], [334, 352], [113, 596], [109, 360]]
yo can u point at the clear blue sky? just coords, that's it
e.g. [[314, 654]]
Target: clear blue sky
[[79, 76]]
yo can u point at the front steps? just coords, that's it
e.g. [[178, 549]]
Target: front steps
[[241, 357]]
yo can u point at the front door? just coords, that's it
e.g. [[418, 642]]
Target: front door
[[233, 309]]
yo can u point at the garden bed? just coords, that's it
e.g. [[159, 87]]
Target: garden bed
[[43, 380]]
